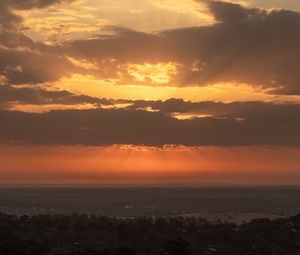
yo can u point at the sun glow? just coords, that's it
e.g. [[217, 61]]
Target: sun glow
[[129, 164]]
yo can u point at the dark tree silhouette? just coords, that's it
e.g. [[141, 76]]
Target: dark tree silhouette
[[178, 246], [96, 235]]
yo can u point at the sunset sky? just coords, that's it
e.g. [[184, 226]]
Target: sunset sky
[[150, 92]]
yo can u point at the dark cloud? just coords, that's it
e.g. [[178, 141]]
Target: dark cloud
[[10, 39], [218, 109], [262, 124], [31, 4], [229, 12], [10, 96], [28, 66], [240, 111], [248, 45], [23, 61], [9, 20]]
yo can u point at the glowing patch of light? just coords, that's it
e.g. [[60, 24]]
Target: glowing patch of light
[[82, 63], [49, 107], [3, 79], [147, 109], [160, 73], [188, 116], [117, 106]]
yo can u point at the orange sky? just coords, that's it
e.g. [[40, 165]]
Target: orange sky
[[148, 165]]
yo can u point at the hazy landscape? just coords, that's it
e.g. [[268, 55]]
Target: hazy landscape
[[149, 221], [225, 203]]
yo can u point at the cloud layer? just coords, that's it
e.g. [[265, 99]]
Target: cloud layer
[[236, 124], [244, 46], [252, 46]]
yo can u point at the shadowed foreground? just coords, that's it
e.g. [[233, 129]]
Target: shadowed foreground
[[96, 235]]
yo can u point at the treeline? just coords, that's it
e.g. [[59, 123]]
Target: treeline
[[95, 235]]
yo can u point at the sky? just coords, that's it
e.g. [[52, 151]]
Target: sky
[[150, 92]]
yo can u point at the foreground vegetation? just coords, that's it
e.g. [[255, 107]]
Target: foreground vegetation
[[95, 235]]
